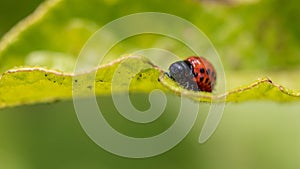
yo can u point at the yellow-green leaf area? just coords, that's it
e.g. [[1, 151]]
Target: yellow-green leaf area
[[35, 85]]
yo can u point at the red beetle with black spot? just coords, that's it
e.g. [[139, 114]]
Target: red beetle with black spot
[[194, 73]]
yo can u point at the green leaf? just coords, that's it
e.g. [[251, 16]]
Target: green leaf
[[35, 85], [263, 89]]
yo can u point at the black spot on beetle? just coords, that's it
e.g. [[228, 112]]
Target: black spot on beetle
[[201, 79], [208, 71], [141, 75], [201, 70], [54, 81], [213, 73], [206, 80], [158, 79], [75, 80], [46, 75]]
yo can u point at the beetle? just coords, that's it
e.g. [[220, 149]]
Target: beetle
[[194, 73]]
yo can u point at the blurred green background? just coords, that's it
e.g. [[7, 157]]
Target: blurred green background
[[256, 36], [13, 11]]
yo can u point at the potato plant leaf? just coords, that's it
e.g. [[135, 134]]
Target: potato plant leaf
[[34, 85]]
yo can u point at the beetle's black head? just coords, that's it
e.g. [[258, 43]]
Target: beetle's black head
[[182, 73]]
